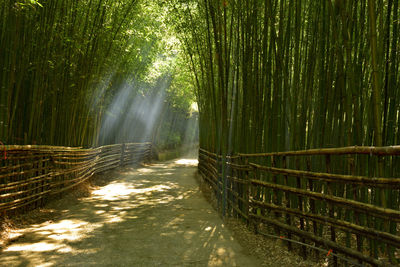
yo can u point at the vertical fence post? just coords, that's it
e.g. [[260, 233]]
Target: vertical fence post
[[246, 189], [149, 154], [43, 172], [287, 200], [221, 183], [275, 194], [312, 201], [331, 206], [121, 163], [301, 208], [224, 184], [228, 187], [36, 165], [235, 191], [359, 240]]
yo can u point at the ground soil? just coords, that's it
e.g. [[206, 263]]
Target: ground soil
[[269, 251], [153, 215]]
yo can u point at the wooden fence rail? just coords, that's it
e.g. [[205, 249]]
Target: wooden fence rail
[[345, 199], [31, 174]]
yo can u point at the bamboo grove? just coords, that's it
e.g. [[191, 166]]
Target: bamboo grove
[[286, 75], [64, 63], [279, 75], [268, 75]]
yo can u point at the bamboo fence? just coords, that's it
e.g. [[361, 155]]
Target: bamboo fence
[[333, 198], [29, 175]]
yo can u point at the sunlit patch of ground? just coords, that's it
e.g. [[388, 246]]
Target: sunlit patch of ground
[[150, 216], [38, 247], [124, 190], [53, 233], [38, 244], [145, 170], [187, 162]]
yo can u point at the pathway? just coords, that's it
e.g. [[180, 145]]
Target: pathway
[[147, 216]]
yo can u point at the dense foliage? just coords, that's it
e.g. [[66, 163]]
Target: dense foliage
[[70, 69], [279, 75], [282, 75], [267, 75]]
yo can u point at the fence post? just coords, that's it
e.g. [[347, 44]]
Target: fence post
[[331, 206], [275, 195], [246, 191], [224, 185], [312, 203], [229, 187], [287, 200], [359, 240], [300, 207], [149, 154], [234, 186], [122, 154]]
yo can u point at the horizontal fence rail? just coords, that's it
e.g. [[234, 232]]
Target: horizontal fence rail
[[31, 174], [346, 199]]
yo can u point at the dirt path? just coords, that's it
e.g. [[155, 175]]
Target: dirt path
[[147, 216]]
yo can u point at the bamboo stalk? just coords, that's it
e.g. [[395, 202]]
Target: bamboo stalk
[[344, 225], [15, 167], [381, 151], [237, 180], [13, 174], [15, 185], [329, 177], [288, 220], [5, 206], [347, 203], [14, 194], [328, 244], [69, 166]]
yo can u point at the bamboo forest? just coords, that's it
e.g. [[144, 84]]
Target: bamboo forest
[[199, 133]]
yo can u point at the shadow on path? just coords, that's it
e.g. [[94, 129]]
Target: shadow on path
[[146, 216]]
